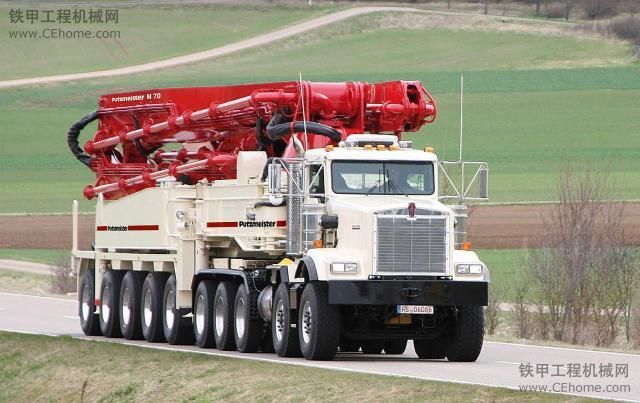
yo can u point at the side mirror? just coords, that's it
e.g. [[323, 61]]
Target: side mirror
[[483, 182]]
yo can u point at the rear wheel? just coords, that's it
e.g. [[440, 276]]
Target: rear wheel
[[151, 306], [285, 339], [395, 346], [434, 349], [177, 330], [223, 315], [203, 314], [318, 323], [248, 327], [130, 313], [468, 334], [89, 319], [372, 346], [109, 297]]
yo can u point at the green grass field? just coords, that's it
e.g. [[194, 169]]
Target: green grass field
[[47, 256], [524, 115], [146, 34], [75, 370]]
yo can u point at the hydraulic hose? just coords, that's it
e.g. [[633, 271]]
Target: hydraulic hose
[[74, 133], [279, 127]]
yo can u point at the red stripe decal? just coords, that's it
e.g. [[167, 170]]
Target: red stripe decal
[[222, 224], [143, 227], [281, 223], [101, 228]]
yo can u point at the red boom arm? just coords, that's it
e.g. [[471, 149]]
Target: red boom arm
[[204, 128]]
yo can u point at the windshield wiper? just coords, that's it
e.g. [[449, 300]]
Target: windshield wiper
[[375, 185], [393, 187]]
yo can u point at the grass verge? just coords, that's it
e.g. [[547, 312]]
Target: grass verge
[[24, 283], [46, 256], [74, 370]]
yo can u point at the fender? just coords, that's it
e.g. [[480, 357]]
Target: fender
[[308, 262], [219, 274]]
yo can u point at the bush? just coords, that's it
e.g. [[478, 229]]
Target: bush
[[492, 310], [627, 28], [635, 323], [594, 9], [62, 278], [555, 10]]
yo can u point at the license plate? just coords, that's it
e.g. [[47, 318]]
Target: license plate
[[415, 309]]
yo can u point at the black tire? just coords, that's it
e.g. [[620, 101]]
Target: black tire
[[248, 327], [394, 346], [349, 346], [266, 345], [372, 346], [203, 314], [89, 319], [318, 323], [223, 315], [130, 297], [468, 334], [109, 301], [177, 330], [151, 306], [285, 338], [435, 349]]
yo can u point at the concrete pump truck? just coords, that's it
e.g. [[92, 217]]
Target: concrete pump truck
[[287, 217]]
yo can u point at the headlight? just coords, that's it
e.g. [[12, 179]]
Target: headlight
[[344, 267], [469, 268]]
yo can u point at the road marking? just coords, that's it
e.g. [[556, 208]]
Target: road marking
[[71, 317], [37, 296], [563, 348], [509, 362], [27, 332]]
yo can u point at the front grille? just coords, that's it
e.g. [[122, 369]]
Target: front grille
[[416, 246]]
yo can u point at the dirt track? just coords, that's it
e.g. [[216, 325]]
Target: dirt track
[[489, 227]]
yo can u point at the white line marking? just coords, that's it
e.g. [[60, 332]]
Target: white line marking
[[27, 332], [71, 317], [563, 348], [508, 362], [38, 296]]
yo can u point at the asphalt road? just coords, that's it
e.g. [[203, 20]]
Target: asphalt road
[[499, 364]]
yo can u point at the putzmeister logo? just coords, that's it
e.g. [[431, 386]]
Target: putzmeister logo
[[261, 224], [117, 228]]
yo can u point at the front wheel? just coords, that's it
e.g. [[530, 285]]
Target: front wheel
[[177, 330], [203, 314], [223, 315], [318, 323], [109, 298], [468, 334]]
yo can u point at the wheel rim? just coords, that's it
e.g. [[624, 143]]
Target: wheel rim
[[126, 311], [86, 300], [280, 320], [200, 314], [168, 311], [307, 322], [104, 306], [148, 313], [240, 311], [219, 316]]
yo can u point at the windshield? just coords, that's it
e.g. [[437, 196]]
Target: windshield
[[382, 177]]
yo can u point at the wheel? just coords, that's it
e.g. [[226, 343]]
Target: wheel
[[435, 349], [395, 346], [319, 323], [266, 345], [223, 315], [349, 346], [248, 327], [109, 297], [151, 306], [203, 314], [372, 346], [285, 339], [89, 320], [177, 330], [130, 312], [468, 334]]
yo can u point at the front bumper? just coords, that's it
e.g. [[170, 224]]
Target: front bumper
[[408, 292]]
